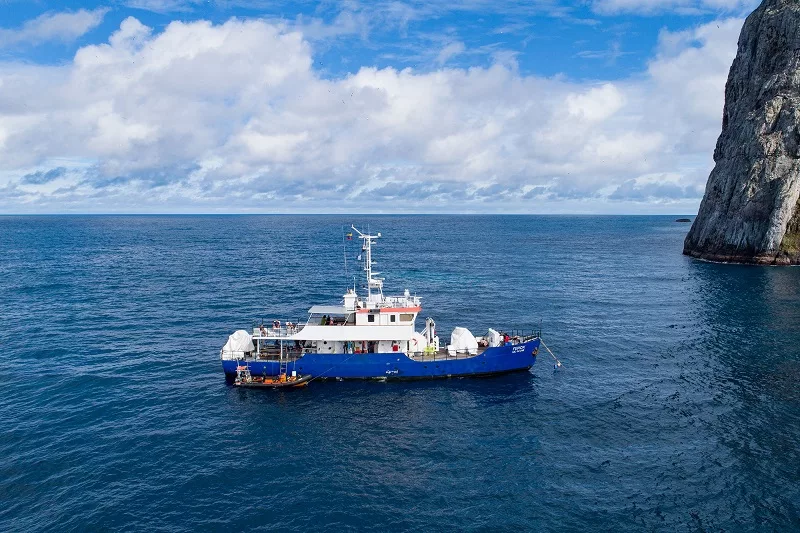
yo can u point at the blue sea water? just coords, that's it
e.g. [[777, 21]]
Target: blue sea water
[[677, 408]]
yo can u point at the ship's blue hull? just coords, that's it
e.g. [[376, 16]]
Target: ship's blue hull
[[394, 365]]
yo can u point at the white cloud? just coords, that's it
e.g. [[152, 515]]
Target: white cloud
[[202, 117], [690, 70], [449, 51], [65, 26], [598, 103]]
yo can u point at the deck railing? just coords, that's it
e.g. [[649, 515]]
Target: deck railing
[[270, 331]]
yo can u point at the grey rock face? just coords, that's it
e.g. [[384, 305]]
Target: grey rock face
[[750, 213]]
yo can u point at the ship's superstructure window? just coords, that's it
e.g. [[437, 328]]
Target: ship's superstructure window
[[371, 318], [392, 318], [406, 317]]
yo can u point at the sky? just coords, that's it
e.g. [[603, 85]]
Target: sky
[[419, 106]]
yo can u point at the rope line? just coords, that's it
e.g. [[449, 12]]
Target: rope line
[[558, 363]]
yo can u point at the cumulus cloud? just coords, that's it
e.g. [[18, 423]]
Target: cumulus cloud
[[234, 117], [65, 27]]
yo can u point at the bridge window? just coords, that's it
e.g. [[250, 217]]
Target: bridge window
[[406, 317]]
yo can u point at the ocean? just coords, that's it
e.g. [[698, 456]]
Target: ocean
[[677, 407]]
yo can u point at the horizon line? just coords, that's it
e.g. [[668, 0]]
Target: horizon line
[[353, 214]]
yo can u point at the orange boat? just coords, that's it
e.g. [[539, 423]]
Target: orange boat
[[246, 380]]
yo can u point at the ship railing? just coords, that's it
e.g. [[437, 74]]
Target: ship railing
[[289, 354], [232, 356], [522, 335], [441, 355], [271, 331], [401, 301]]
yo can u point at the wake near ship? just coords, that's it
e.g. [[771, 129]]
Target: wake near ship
[[373, 337]]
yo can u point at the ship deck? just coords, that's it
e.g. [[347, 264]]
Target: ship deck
[[291, 355]]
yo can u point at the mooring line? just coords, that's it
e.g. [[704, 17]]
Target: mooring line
[[558, 363]]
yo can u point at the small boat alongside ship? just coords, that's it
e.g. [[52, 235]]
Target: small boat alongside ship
[[246, 380], [369, 337]]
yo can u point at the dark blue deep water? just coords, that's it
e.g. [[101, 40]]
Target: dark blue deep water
[[677, 408]]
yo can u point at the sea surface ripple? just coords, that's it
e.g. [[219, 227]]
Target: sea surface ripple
[[677, 408]]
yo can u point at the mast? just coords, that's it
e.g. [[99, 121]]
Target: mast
[[366, 247]]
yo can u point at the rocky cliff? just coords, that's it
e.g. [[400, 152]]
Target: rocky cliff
[[750, 211]]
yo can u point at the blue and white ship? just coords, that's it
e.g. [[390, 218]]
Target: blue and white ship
[[373, 337]]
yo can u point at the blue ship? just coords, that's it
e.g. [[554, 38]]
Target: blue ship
[[373, 337]]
